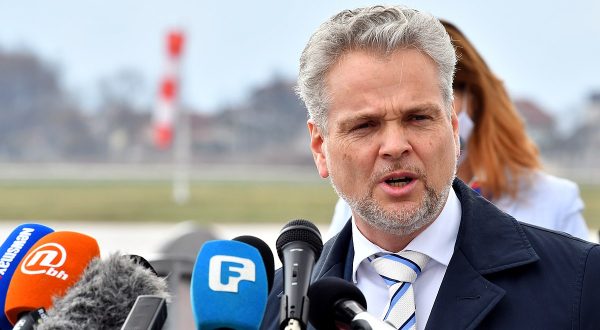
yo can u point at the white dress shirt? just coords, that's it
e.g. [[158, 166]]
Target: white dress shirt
[[436, 241]]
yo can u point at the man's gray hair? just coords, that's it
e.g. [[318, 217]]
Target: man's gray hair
[[380, 28]]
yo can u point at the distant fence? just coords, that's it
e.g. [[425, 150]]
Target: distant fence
[[109, 171], [220, 172]]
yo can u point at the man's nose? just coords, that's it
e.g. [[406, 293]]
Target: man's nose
[[394, 142]]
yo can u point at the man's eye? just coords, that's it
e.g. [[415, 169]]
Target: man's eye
[[362, 126], [419, 117]]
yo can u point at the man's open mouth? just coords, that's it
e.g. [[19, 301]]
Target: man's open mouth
[[399, 182]]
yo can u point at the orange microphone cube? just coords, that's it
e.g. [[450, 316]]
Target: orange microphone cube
[[51, 266]]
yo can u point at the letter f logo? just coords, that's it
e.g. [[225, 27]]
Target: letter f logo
[[226, 272]]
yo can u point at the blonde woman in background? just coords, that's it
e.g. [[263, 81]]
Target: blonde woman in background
[[498, 159]]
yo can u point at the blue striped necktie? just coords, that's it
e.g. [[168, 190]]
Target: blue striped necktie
[[399, 271]]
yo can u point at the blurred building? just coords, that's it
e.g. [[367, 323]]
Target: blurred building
[[540, 125], [578, 154], [592, 109]]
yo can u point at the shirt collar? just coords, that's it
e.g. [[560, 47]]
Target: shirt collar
[[436, 241]]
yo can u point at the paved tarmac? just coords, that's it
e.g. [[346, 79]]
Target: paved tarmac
[[149, 239]]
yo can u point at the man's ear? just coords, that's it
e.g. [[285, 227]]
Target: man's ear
[[454, 122], [318, 148]]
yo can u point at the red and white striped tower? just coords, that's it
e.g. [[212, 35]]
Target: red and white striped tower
[[170, 121], [166, 110]]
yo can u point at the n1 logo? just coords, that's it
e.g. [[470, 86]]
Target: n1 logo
[[226, 272], [44, 260]]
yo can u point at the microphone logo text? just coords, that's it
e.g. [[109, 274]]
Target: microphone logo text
[[226, 272], [45, 259], [14, 249]]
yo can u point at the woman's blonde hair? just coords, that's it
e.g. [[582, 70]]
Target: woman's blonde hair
[[500, 153]]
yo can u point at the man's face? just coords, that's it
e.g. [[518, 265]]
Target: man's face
[[391, 147]]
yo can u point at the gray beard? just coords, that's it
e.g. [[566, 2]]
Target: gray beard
[[398, 222]]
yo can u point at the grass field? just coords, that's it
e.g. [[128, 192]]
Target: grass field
[[591, 198], [151, 201], [211, 202]]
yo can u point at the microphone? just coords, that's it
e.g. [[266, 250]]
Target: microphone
[[104, 295], [229, 286], [12, 251], [51, 266], [141, 261], [299, 245], [148, 312], [338, 304], [265, 254], [30, 320]]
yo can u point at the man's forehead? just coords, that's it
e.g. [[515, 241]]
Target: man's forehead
[[406, 78], [344, 70], [378, 55]]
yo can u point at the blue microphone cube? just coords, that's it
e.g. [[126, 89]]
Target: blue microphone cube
[[229, 286]]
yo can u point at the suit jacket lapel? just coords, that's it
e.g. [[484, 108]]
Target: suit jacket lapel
[[336, 258], [488, 241], [465, 297]]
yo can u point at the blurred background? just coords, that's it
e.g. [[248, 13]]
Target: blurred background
[[155, 125], [83, 86]]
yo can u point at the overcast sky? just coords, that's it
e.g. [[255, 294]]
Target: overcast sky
[[549, 52]]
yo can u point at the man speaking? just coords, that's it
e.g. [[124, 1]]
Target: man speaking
[[426, 251]]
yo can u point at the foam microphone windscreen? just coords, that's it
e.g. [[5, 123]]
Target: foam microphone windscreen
[[104, 295], [12, 251], [52, 265], [229, 286]]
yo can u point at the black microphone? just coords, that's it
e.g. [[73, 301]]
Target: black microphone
[[148, 313], [141, 261], [265, 253], [299, 245], [339, 304], [104, 295], [29, 321]]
